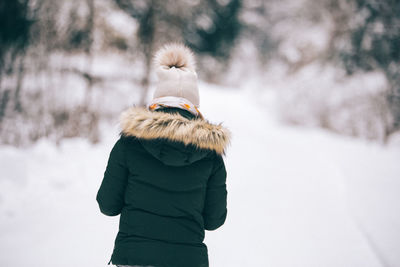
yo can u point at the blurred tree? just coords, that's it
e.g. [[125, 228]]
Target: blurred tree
[[31, 32], [14, 27], [89, 30], [14, 38], [208, 27], [144, 13], [211, 30], [257, 23], [52, 30], [213, 27], [367, 38]]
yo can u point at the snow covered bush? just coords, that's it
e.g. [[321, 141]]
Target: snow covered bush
[[326, 97]]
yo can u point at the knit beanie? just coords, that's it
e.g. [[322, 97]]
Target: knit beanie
[[177, 78]]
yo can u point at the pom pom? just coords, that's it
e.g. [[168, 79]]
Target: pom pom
[[175, 55]]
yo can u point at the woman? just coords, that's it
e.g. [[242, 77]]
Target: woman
[[166, 175]]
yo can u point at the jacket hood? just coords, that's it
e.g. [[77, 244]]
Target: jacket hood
[[189, 139]]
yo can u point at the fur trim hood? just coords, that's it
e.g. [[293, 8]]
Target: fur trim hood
[[145, 124]]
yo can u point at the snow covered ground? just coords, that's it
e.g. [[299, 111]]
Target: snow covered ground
[[296, 197]]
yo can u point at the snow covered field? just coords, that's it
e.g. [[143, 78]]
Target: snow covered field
[[296, 197]]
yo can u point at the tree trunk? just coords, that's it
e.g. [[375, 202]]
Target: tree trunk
[[18, 88], [89, 55], [146, 34]]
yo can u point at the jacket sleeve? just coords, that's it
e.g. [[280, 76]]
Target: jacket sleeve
[[215, 210], [110, 196]]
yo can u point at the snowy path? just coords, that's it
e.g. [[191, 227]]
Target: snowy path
[[292, 209], [294, 198]]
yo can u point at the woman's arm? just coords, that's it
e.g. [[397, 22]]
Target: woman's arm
[[215, 210], [110, 196]]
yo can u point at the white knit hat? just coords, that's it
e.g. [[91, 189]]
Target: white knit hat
[[176, 71]]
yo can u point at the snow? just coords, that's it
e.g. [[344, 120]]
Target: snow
[[297, 197]]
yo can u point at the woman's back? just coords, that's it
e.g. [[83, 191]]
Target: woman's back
[[167, 179]]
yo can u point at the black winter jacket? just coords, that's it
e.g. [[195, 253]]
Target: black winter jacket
[[166, 177]]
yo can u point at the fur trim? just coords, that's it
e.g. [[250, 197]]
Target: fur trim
[[142, 123], [175, 55]]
